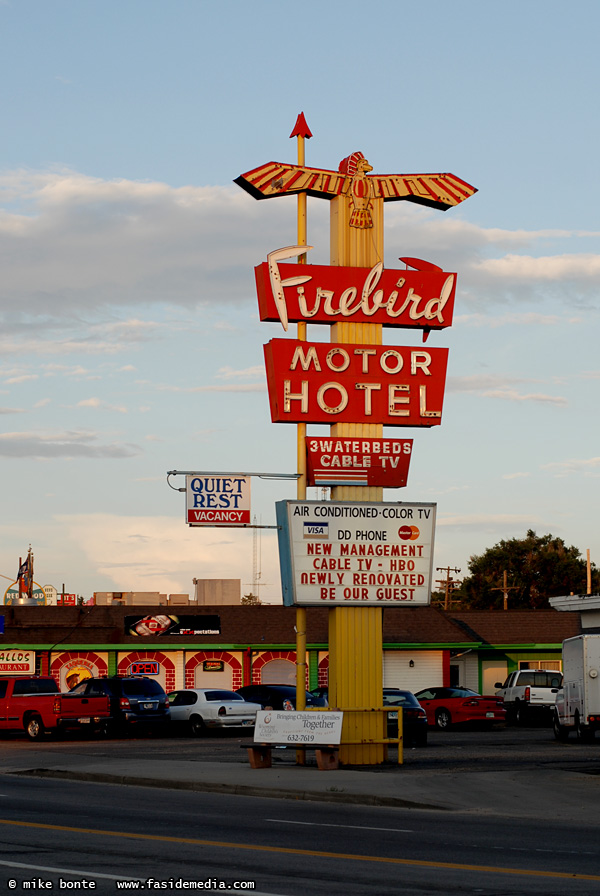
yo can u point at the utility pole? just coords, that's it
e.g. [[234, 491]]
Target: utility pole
[[448, 583], [505, 589], [589, 573]]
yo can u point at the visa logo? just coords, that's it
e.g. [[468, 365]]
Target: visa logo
[[316, 530]]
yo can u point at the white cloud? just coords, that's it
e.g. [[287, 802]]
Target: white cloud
[[516, 475], [525, 268], [573, 466], [100, 405], [526, 319], [480, 382], [100, 244], [144, 553], [62, 444], [239, 387], [491, 386], [24, 378], [229, 372], [513, 395], [488, 521]]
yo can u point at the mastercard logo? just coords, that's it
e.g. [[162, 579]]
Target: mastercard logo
[[408, 533]]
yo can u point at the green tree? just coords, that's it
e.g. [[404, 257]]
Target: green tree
[[538, 567]]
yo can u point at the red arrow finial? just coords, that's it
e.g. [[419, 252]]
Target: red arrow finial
[[301, 129]]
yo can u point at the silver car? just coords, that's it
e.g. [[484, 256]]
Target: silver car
[[201, 709]]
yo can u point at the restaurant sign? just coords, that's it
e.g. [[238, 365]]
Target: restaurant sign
[[311, 382], [355, 554], [321, 294], [17, 662], [358, 461]]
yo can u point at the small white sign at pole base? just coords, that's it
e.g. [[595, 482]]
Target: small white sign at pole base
[[275, 726]]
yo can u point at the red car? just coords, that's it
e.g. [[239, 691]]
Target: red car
[[454, 706]]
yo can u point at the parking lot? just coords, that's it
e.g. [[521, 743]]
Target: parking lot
[[499, 749]]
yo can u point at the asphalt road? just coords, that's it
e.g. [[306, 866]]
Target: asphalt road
[[101, 836]]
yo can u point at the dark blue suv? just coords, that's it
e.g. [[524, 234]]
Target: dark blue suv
[[134, 700]]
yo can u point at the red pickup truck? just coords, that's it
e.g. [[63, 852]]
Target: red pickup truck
[[36, 706]]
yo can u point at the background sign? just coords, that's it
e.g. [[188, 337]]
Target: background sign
[[17, 662], [324, 382], [213, 665], [354, 554], [217, 500], [358, 461], [144, 667], [147, 626], [13, 595]]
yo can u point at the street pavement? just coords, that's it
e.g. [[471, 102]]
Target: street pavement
[[568, 793]]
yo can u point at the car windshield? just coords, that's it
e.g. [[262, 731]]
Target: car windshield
[[445, 693], [399, 698], [35, 686], [141, 687], [540, 679], [223, 695]]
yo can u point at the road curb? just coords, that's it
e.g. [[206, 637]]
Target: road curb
[[235, 789]]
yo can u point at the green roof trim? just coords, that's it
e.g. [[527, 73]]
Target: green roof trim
[[412, 645]]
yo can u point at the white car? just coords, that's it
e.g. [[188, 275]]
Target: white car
[[204, 708]]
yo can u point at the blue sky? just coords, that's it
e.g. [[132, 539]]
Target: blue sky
[[130, 343]]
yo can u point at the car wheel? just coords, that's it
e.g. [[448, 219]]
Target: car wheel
[[421, 739], [443, 719], [197, 726], [34, 728], [583, 733], [520, 714], [560, 732]]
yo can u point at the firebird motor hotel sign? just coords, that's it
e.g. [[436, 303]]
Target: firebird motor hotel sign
[[355, 554], [328, 382], [422, 297]]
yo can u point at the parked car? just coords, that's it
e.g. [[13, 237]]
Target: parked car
[[277, 696], [455, 706], [530, 694], [321, 692], [414, 717], [134, 700], [203, 708]]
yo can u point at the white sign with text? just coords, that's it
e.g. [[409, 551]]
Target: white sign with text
[[217, 500], [335, 553], [274, 726]]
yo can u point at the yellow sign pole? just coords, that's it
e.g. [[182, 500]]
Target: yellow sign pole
[[356, 633], [301, 132]]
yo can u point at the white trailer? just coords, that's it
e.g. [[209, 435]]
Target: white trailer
[[578, 703]]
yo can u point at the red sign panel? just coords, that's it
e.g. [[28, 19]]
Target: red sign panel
[[312, 382], [358, 461], [328, 294]]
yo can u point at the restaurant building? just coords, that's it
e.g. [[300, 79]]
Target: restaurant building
[[229, 646]]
